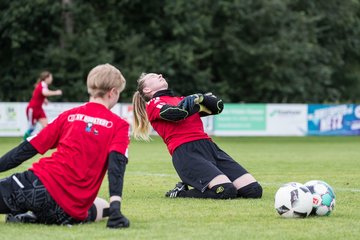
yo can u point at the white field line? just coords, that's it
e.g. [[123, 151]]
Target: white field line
[[271, 184]]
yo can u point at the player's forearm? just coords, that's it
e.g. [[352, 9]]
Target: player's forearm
[[173, 113], [116, 172], [176, 113], [16, 156], [50, 93]]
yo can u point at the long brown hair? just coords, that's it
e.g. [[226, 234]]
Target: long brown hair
[[42, 76], [141, 124]]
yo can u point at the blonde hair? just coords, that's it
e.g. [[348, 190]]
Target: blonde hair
[[141, 124], [103, 78]]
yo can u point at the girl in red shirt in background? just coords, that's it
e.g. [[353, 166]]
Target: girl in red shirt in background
[[34, 111], [199, 162]]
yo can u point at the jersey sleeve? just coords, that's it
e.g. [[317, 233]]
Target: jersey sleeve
[[153, 108], [17, 155], [121, 139], [44, 86], [48, 137]]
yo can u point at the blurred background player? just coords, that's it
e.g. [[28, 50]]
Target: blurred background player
[[89, 140], [34, 111], [199, 162]]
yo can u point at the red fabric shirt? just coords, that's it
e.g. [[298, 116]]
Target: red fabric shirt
[[83, 138], [174, 133], [38, 98]]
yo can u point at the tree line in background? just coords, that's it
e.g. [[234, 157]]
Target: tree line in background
[[274, 51]]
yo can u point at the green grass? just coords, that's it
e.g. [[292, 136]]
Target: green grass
[[273, 161]]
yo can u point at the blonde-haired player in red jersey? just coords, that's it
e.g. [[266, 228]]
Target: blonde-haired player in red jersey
[[89, 140], [34, 111]]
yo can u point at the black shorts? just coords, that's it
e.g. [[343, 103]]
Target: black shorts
[[24, 192], [198, 162]]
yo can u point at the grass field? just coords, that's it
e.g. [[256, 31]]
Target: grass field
[[273, 161]]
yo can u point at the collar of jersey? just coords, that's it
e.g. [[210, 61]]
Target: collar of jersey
[[166, 92]]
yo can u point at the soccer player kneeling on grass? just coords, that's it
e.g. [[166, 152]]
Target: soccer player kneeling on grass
[[199, 162], [89, 140]]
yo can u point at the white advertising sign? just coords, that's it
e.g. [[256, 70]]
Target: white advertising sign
[[286, 119], [12, 119]]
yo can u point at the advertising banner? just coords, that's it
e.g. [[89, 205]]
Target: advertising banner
[[235, 120], [286, 119], [12, 119], [241, 119], [262, 120], [334, 119]]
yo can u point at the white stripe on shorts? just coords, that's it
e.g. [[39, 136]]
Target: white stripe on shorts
[[17, 181]]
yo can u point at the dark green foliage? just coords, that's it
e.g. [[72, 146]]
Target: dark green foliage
[[276, 51]]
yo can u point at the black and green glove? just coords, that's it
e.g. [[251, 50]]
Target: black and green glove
[[191, 102]]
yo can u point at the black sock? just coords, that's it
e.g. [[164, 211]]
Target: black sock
[[220, 191], [194, 193], [92, 213], [106, 212], [253, 190]]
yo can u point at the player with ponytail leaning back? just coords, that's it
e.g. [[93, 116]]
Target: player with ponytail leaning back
[[89, 140], [199, 162]]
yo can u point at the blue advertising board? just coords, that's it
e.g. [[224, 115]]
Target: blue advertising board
[[331, 119]]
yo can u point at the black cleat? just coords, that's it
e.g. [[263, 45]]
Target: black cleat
[[179, 187], [27, 217]]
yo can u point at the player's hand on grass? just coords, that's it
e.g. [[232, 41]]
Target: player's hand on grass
[[118, 221], [116, 218]]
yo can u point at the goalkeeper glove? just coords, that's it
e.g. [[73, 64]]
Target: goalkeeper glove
[[213, 103], [189, 102]]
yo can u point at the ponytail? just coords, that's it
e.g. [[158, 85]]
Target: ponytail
[[141, 124]]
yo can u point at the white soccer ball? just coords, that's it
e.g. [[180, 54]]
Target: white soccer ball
[[293, 200], [323, 197]]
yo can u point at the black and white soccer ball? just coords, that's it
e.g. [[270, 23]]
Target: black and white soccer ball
[[293, 200], [323, 197]]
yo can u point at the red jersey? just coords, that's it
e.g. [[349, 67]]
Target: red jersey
[[83, 136], [38, 98], [174, 133]]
